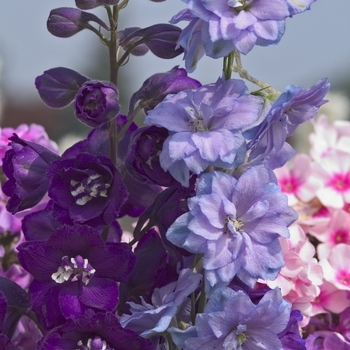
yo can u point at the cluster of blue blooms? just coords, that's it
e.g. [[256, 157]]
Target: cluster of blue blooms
[[197, 177]]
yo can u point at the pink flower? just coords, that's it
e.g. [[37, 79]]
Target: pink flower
[[336, 266], [327, 137], [330, 299], [293, 179], [335, 232], [300, 277], [332, 174]]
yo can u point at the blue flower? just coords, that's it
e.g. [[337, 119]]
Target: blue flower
[[205, 127], [236, 225], [151, 320], [293, 107], [231, 321]]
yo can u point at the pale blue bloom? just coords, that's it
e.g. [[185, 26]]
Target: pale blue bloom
[[205, 127], [236, 225], [231, 321]]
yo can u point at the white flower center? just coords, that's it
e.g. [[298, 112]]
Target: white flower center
[[90, 187], [93, 344], [74, 269]]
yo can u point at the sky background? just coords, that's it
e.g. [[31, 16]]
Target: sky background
[[316, 44]]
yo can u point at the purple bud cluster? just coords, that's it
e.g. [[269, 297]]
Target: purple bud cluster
[[197, 178]]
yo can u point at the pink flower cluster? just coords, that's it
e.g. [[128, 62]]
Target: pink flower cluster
[[316, 277]]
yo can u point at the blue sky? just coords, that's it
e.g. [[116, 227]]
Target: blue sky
[[316, 44]]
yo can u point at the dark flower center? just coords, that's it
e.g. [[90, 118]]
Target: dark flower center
[[240, 335], [195, 121], [93, 101], [93, 344], [74, 269], [90, 187], [233, 225], [239, 5]]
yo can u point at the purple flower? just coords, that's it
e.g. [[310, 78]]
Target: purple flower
[[25, 164], [93, 331], [205, 127], [236, 225], [142, 161], [96, 103], [74, 270], [88, 188], [290, 337], [64, 22], [231, 321]]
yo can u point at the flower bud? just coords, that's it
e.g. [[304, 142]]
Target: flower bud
[[57, 87], [65, 22], [96, 103], [162, 39], [158, 86], [128, 41]]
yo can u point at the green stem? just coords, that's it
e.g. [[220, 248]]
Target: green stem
[[203, 297], [170, 341], [245, 75], [193, 307], [123, 4], [228, 62]]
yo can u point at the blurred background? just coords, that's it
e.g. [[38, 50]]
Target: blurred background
[[316, 45]]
